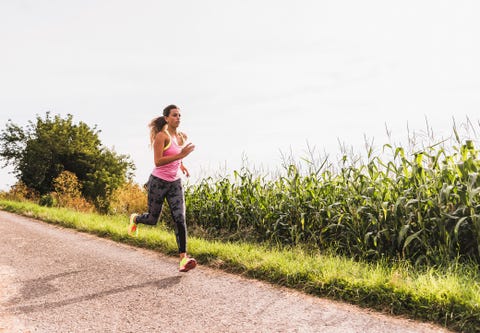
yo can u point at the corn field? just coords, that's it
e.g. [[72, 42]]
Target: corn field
[[422, 207]]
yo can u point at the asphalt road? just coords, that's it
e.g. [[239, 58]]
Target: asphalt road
[[59, 280]]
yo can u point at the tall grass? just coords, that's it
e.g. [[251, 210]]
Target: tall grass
[[421, 206]]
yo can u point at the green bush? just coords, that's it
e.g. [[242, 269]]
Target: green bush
[[48, 200]]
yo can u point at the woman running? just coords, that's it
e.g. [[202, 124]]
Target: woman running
[[169, 148]]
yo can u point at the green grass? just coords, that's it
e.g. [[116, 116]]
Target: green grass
[[449, 296]]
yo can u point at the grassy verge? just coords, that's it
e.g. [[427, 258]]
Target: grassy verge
[[449, 296]]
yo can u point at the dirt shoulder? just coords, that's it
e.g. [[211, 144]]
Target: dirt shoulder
[[60, 280]]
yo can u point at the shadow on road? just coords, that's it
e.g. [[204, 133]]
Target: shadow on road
[[34, 290], [39, 287]]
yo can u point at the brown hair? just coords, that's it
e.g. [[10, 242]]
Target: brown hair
[[157, 124]]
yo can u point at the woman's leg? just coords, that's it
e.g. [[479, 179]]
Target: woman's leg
[[176, 202], [157, 190]]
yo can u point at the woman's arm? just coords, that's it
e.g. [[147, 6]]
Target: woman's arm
[[184, 170], [161, 139]]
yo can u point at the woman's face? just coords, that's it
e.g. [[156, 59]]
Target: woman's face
[[173, 119]]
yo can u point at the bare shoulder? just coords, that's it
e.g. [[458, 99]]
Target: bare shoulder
[[161, 138], [183, 136]]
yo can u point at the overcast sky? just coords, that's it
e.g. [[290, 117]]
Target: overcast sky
[[252, 78]]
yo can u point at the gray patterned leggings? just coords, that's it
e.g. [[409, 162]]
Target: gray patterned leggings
[[158, 191]]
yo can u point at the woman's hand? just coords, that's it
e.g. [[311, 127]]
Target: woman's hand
[[189, 147], [184, 170]]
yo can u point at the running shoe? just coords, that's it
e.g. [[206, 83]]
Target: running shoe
[[187, 264], [132, 227]]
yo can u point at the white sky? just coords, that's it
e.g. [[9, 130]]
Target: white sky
[[251, 77]]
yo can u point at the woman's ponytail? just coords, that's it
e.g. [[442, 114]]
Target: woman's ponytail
[[156, 125]]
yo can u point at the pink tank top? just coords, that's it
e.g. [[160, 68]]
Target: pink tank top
[[169, 171]]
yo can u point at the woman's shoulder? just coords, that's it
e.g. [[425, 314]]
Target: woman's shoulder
[[183, 135], [162, 136], [182, 138]]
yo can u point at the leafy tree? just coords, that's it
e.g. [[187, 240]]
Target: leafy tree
[[50, 145]]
